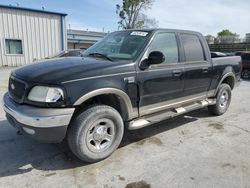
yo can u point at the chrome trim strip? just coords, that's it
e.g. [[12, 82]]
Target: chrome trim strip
[[38, 117], [149, 109], [117, 74], [93, 77], [153, 69], [131, 112], [197, 62]]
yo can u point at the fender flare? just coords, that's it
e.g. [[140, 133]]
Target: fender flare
[[131, 112], [229, 74]]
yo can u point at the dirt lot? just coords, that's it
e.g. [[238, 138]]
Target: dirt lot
[[195, 150]]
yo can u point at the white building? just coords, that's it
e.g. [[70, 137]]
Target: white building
[[228, 39], [79, 39], [27, 35], [210, 39]]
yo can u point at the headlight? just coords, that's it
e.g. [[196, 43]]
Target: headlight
[[45, 94]]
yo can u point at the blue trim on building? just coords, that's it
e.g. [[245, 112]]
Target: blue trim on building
[[62, 32], [31, 9]]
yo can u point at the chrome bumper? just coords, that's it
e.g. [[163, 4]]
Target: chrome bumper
[[37, 117]]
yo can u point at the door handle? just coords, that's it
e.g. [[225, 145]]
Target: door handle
[[205, 70], [177, 73]]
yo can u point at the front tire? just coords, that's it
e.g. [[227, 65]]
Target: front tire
[[95, 133], [223, 99]]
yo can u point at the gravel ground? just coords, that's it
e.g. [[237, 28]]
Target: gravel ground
[[194, 150]]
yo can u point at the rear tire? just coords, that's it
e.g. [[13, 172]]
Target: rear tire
[[95, 133], [223, 99]]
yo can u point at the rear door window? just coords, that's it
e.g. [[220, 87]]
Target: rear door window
[[192, 47]]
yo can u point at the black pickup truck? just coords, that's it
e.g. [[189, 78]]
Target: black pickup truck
[[130, 79]]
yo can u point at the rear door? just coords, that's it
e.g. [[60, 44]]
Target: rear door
[[161, 85], [197, 67]]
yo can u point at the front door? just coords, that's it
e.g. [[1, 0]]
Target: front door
[[161, 85]]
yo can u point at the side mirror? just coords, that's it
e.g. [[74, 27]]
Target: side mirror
[[154, 57]]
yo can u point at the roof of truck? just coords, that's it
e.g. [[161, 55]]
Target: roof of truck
[[165, 29]]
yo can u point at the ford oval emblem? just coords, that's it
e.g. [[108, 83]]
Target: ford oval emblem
[[12, 86]]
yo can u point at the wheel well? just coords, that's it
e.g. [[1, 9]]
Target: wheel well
[[107, 99], [230, 81]]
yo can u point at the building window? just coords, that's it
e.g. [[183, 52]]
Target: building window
[[13, 46]]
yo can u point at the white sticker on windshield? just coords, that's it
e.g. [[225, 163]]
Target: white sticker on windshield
[[139, 33]]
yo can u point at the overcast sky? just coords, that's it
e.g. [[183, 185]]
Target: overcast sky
[[206, 16]]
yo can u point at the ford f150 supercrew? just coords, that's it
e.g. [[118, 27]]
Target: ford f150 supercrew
[[130, 79]]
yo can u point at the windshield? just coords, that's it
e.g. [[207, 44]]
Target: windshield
[[124, 45]]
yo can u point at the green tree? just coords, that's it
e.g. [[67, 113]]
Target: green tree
[[226, 32], [131, 14]]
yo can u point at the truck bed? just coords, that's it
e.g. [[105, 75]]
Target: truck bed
[[230, 60]]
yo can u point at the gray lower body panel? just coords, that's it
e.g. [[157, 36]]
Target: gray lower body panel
[[44, 124]]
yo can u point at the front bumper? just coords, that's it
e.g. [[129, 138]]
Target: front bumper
[[44, 124]]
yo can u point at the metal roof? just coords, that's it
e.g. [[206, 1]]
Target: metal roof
[[32, 10], [77, 40], [87, 35]]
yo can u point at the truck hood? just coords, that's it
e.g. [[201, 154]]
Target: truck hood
[[64, 69]]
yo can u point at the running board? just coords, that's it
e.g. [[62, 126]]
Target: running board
[[148, 120]]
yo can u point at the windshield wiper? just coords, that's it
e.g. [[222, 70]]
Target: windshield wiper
[[96, 54]]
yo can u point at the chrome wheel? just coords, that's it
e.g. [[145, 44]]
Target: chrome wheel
[[95, 133], [224, 99], [101, 135]]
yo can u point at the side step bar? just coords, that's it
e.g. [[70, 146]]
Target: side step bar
[[148, 120]]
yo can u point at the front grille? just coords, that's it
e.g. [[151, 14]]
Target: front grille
[[16, 89]]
